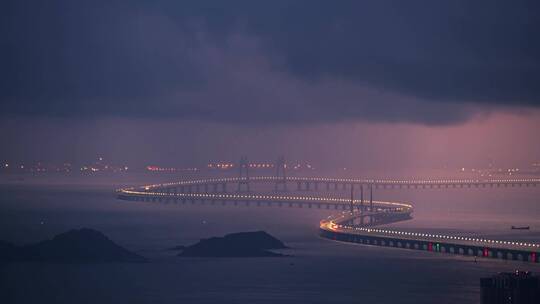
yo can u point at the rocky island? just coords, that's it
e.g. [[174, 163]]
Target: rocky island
[[75, 246], [242, 244]]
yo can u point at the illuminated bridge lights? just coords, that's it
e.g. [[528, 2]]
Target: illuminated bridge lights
[[448, 182], [339, 224], [439, 236]]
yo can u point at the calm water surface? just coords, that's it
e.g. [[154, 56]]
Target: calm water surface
[[319, 271]]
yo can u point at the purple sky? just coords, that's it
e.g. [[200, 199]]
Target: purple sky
[[508, 139], [378, 84]]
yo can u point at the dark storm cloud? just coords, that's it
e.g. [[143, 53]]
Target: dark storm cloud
[[428, 62]]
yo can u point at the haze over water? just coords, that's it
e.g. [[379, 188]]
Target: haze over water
[[319, 271]]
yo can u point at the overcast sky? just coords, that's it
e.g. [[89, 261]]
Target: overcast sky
[[406, 83]]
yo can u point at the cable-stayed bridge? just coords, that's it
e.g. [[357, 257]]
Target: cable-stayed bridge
[[358, 219]]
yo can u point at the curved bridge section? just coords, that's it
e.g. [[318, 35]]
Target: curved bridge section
[[358, 218]]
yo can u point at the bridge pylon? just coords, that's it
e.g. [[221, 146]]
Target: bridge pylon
[[281, 177], [243, 175], [361, 198], [352, 200], [361, 205], [371, 197]]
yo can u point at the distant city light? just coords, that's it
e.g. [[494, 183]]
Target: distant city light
[[168, 169], [223, 166]]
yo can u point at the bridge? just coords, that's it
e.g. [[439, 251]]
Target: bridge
[[357, 220]]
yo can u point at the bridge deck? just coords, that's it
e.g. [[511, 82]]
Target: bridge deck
[[342, 226]]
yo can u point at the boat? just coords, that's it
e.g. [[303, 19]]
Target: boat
[[520, 227]]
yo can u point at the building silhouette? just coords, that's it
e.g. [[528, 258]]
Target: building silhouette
[[518, 287]]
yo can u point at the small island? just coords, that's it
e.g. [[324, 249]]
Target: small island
[[242, 244], [75, 246]]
